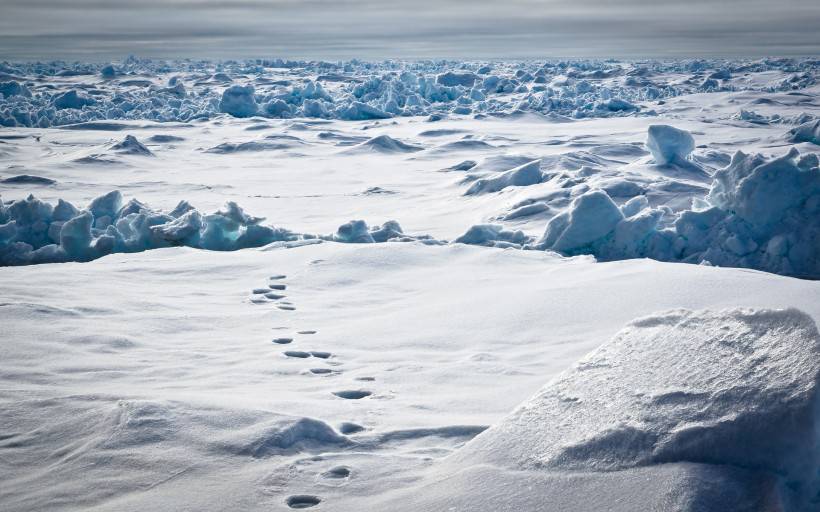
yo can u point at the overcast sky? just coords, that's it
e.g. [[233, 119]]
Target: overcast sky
[[375, 29]]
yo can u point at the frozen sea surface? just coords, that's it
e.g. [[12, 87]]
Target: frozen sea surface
[[341, 286]]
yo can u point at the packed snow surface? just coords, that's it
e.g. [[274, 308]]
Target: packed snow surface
[[168, 377], [416, 248]]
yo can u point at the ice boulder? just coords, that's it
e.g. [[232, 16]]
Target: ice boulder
[[277, 108], [76, 237], [618, 105], [521, 176], [588, 223], [493, 235], [358, 111], [390, 230], [452, 79], [238, 101], [72, 99], [668, 144], [12, 88], [806, 132], [354, 232], [730, 395], [108, 71]]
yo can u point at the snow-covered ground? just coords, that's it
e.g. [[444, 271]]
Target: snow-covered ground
[[313, 291]]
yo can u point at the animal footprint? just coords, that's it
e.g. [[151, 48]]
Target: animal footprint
[[320, 354], [282, 341], [297, 353], [353, 394], [337, 472], [303, 501], [323, 371]]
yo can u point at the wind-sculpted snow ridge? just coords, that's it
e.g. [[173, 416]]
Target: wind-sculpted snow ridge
[[42, 95], [734, 392], [33, 231]]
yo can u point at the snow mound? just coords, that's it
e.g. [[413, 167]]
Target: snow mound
[[27, 179], [521, 176], [131, 146], [384, 144], [668, 144], [288, 435], [736, 388], [238, 101]]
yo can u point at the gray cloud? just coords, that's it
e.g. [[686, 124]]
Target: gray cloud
[[106, 29]]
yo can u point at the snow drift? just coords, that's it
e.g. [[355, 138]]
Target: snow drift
[[723, 390]]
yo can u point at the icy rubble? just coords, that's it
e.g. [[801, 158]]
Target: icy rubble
[[354, 90], [759, 213], [33, 231], [735, 389]]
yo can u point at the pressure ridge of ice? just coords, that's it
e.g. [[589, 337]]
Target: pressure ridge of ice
[[759, 213], [354, 90], [33, 231]]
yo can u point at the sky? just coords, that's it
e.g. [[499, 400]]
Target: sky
[[99, 30]]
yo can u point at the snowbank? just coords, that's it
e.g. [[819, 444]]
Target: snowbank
[[735, 389]]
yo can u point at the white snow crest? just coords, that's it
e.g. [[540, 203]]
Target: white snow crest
[[737, 387]]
